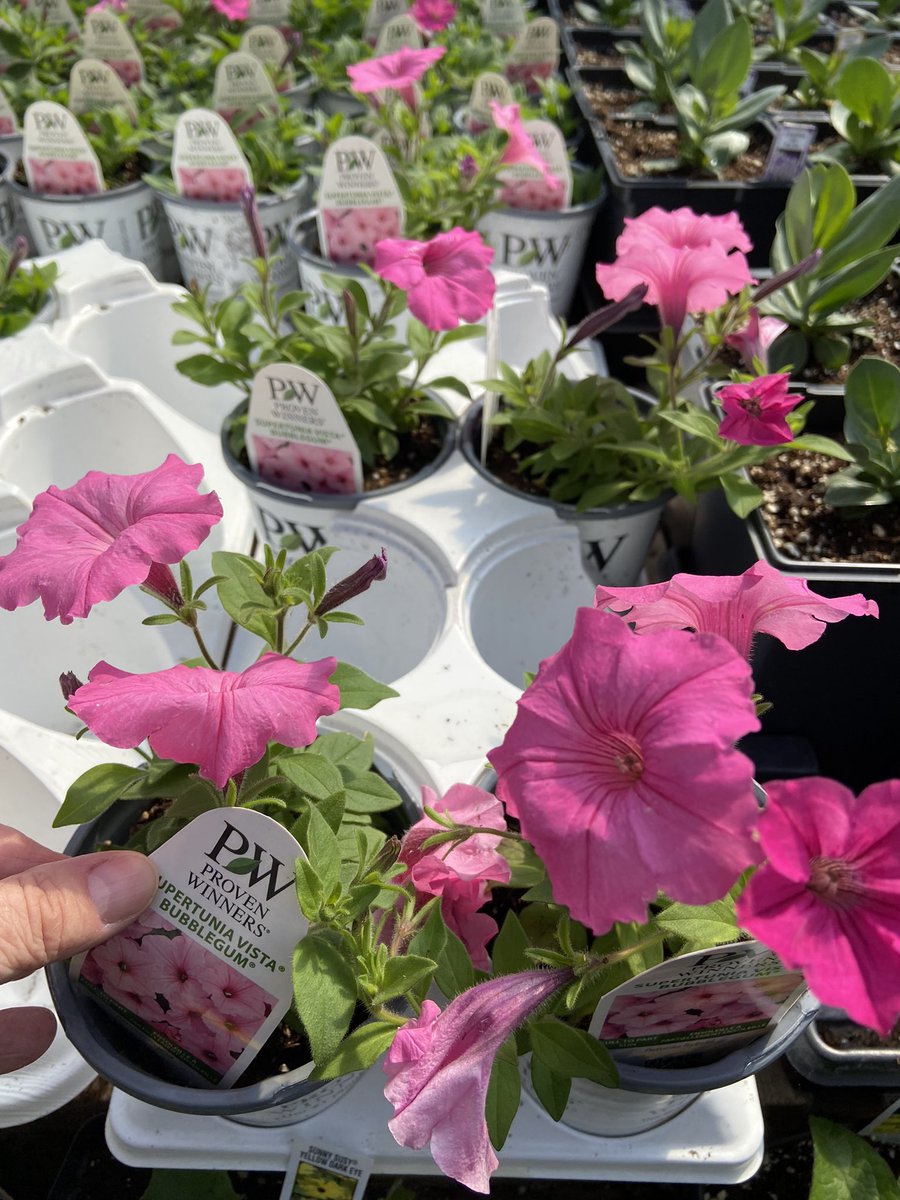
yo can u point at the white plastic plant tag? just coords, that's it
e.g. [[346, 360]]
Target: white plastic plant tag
[[57, 12], [242, 82], [318, 1170], [506, 18], [359, 202], [207, 162], [398, 33], [8, 122], [297, 436], [886, 1126], [488, 87], [847, 38], [787, 154], [106, 37], [524, 187], [700, 1005], [205, 974], [380, 12], [266, 43], [93, 84], [269, 12], [59, 160], [535, 54], [155, 14]]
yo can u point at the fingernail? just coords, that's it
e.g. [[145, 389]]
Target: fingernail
[[122, 885]]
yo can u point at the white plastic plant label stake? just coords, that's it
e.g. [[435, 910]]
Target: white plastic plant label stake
[[886, 1126], [59, 160], [506, 18], [315, 1169], [269, 12], [787, 154], [8, 122], [106, 37], [488, 87], [359, 202], [297, 436], [266, 43], [525, 187], [380, 12], [535, 54], [57, 12], [205, 974], [397, 34], [242, 82], [155, 14], [93, 84], [207, 162], [702, 1005]]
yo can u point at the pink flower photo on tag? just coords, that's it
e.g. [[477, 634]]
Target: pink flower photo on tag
[[351, 234], [128, 71], [223, 184], [536, 194], [57, 177], [304, 468], [528, 74], [7, 126]]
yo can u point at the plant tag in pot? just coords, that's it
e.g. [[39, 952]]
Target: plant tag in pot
[[59, 160], [535, 55], [297, 436], [155, 14], [8, 122], [488, 87], [207, 162], [380, 12], [698, 1007], [269, 12], [524, 187], [506, 18], [398, 33], [886, 1126], [57, 12], [359, 202], [787, 154], [94, 84], [106, 37], [205, 974], [315, 1169], [268, 44], [242, 82]]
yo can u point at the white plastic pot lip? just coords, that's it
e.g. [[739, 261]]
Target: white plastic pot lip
[[264, 200], [128, 192]]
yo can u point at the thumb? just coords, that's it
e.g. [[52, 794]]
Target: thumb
[[57, 909]]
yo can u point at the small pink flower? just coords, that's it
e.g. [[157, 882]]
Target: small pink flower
[[735, 607], [519, 146], [120, 963], [623, 748], [440, 1064], [234, 10], [756, 412], [753, 341], [682, 228], [432, 15], [231, 993], [446, 279], [220, 720], [89, 542], [827, 900], [396, 72]]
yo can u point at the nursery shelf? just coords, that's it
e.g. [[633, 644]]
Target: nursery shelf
[[718, 1139]]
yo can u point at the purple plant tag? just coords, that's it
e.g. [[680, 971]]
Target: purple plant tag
[[787, 154]]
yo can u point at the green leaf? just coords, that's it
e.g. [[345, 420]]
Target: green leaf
[[323, 852], [551, 1088], [324, 994], [431, 937], [310, 894], [360, 1050], [742, 495], [724, 66], [572, 1052], [189, 1185], [504, 1094], [359, 690], [346, 751], [239, 586], [403, 975], [847, 1168], [510, 944], [526, 869], [873, 224], [700, 926], [161, 619], [866, 87], [455, 972], [209, 371], [94, 792], [370, 793], [242, 866], [314, 775]]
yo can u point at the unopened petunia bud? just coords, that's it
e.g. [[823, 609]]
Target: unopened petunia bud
[[251, 216], [161, 582], [17, 257], [350, 312], [788, 276], [295, 44], [70, 683], [468, 167], [360, 581]]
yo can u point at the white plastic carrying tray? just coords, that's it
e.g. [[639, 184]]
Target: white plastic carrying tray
[[481, 586]]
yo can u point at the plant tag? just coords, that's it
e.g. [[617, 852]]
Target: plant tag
[[207, 162], [697, 1007], [268, 44], [681, 9], [93, 84], [269, 12], [205, 974], [524, 187], [359, 202], [297, 436], [155, 14], [535, 54], [8, 122], [106, 37], [886, 1126], [847, 38], [396, 34], [787, 154], [57, 12], [380, 12], [59, 160], [506, 18], [242, 82], [748, 87], [318, 1170], [488, 87]]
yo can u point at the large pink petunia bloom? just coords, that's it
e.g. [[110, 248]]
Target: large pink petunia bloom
[[432, 15], [762, 600], [520, 148], [440, 1065], [397, 72], [220, 720], [756, 412], [234, 10], [89, 542], [753, 341], [683, 228], [446, 279], [827, 900], [623, 748]]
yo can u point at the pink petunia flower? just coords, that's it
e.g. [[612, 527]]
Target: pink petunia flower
[[753, 341], [520, 149], [397, 72], [89, 542], [755, 412], [683, 228], [827, 900], [234, 10], [232, 994], [622, 748], [439, 1067], [762, 600], [220, 720], [446, 279], [432, 15]]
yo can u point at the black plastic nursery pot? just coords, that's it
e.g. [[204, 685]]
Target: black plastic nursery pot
[[832, 1052]]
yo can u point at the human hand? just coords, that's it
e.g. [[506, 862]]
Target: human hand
[[53, 907]]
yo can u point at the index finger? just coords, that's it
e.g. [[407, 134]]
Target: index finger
[[21, 853]]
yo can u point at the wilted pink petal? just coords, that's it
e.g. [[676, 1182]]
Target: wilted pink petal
[[762, 600], [754, 340], [397, 72], [89, 542], [682, 227], [827, 901], [756, 412], [432, 15], [446, 279], [220, 720], [440, 1065], [519, 146], [623, 748]]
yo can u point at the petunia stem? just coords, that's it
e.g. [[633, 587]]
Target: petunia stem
[[204, 650]]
